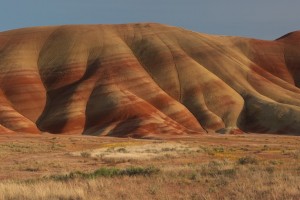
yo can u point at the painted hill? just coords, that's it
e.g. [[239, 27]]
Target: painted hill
[[146, 79]]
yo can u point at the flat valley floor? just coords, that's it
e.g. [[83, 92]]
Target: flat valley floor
[[248, 166]]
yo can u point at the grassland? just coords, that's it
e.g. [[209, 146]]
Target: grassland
[[206, 167]]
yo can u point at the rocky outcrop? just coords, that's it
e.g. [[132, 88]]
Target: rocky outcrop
[[146, 79]]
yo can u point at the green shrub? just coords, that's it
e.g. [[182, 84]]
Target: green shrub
[[107, 172], [135, 171]]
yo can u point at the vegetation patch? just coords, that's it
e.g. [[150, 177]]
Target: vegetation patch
[[107, 172], [215, 169], [85, 154], [247, 160]]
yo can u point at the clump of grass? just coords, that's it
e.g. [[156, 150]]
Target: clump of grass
[[168, 149], [247, 160], [214, 169], [85, 154], [122, 150], [137, 171], [270, 169], [244, 149], [265, 148], [217, 172], [296, 154], [209, 151], [218, 149], [107, 172], [193, 176], [32, 169]]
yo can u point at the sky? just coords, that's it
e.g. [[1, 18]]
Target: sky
[[263, 19]]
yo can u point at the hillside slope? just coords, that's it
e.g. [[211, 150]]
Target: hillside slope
[[146, 79]]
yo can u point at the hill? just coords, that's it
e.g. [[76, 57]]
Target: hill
[[146, 79]]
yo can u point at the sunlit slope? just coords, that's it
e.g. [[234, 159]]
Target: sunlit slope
[[146, 79]]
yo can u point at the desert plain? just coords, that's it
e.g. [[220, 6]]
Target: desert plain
[[251, 166]]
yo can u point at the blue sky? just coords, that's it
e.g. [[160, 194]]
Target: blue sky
[[264, 19]]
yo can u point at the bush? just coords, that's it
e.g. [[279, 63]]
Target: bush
[[105, 172], [135, 171], [247, 160]]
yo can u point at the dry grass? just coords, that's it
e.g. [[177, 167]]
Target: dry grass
[[213, 167], [213, 180]]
